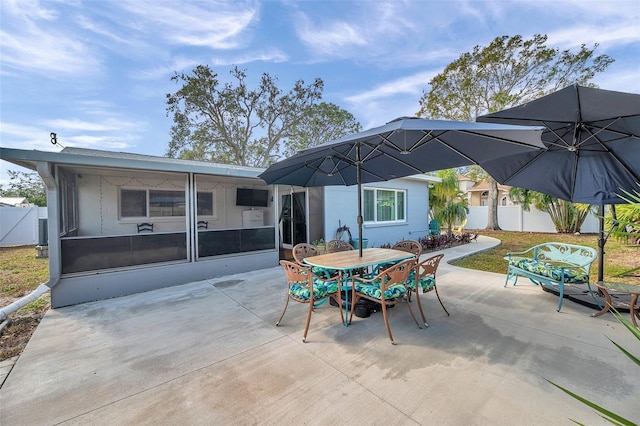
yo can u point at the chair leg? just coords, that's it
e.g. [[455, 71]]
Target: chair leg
[[386, 322], [424, 319], [435, 287], [306, 327], [412, 315], [286, 303]]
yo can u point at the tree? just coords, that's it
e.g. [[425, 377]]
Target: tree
[[447, 201], [567, 217], [232, 123], [508, 72], [322, 122], [28, 185]]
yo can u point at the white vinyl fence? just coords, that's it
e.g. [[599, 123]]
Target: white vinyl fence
[[514, 218], [19, 225]]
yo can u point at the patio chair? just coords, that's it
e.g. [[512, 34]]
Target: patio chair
[[410, 246], [145, 227], [338, 245], [424, 275], [387, 288], [434, 227], [302, 250], [306, 287]]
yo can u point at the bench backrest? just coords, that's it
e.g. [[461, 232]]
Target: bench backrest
[[566, 253]]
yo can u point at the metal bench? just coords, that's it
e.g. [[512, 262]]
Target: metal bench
[[553, 264]]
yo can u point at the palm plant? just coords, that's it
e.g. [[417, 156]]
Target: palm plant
[[567, 217], [627, 226], [447, 202]]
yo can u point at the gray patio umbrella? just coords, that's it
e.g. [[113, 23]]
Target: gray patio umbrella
[[402, 147], [593, 147]]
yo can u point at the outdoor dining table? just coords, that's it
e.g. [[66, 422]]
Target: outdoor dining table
[[348, 262]]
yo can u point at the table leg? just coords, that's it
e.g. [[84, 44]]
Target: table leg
[[607, 303]]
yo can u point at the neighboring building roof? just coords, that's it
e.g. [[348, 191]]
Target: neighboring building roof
[[12, 201], [484, 186], [123, 160]]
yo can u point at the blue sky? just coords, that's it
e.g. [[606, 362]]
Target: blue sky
[[97, 72]]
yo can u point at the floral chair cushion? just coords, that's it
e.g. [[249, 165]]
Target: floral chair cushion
[[372, 289], [571, 275], [300, 290], [427, 282]]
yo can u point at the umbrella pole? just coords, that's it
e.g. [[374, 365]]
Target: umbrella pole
[[359, 179], [601, 242]]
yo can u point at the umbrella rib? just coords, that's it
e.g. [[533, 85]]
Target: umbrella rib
[[615, 157], [374, 149]]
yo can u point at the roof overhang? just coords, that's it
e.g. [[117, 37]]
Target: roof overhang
[[96, 158]]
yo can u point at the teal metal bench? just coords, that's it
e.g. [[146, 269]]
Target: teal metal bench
[[553, 264]]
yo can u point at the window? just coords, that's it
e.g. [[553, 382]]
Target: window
[[384, 205], [151, 203], [68, 197], [205, 204]]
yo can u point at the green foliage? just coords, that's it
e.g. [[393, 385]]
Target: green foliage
[[627, 228], [566, 216], [231, 123], [507, 72], [28, 185], [321, 123], [447, 201]]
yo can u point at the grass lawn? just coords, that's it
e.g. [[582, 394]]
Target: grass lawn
[[21, 272], [618, 258]]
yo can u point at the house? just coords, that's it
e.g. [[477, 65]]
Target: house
[[477, 192], [121, 223], [14, 202]]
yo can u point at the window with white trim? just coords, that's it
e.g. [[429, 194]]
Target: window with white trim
[[384, 205], [148, 203]]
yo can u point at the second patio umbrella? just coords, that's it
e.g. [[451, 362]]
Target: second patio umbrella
[[593, 147], [402, 147]]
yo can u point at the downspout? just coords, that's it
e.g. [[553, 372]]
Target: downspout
[[44, 170]]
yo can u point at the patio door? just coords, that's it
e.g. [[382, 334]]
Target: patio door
[[293, 219]]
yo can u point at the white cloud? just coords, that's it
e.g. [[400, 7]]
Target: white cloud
[[218, 25], [105, 125], [272, 55], [331, 39], [28, 42], [393, 99], [412, 84], [608, 36]]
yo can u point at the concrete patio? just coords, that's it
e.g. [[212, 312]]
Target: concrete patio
[[210, 353]]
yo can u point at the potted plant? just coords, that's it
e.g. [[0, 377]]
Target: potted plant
[[320, 245]]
